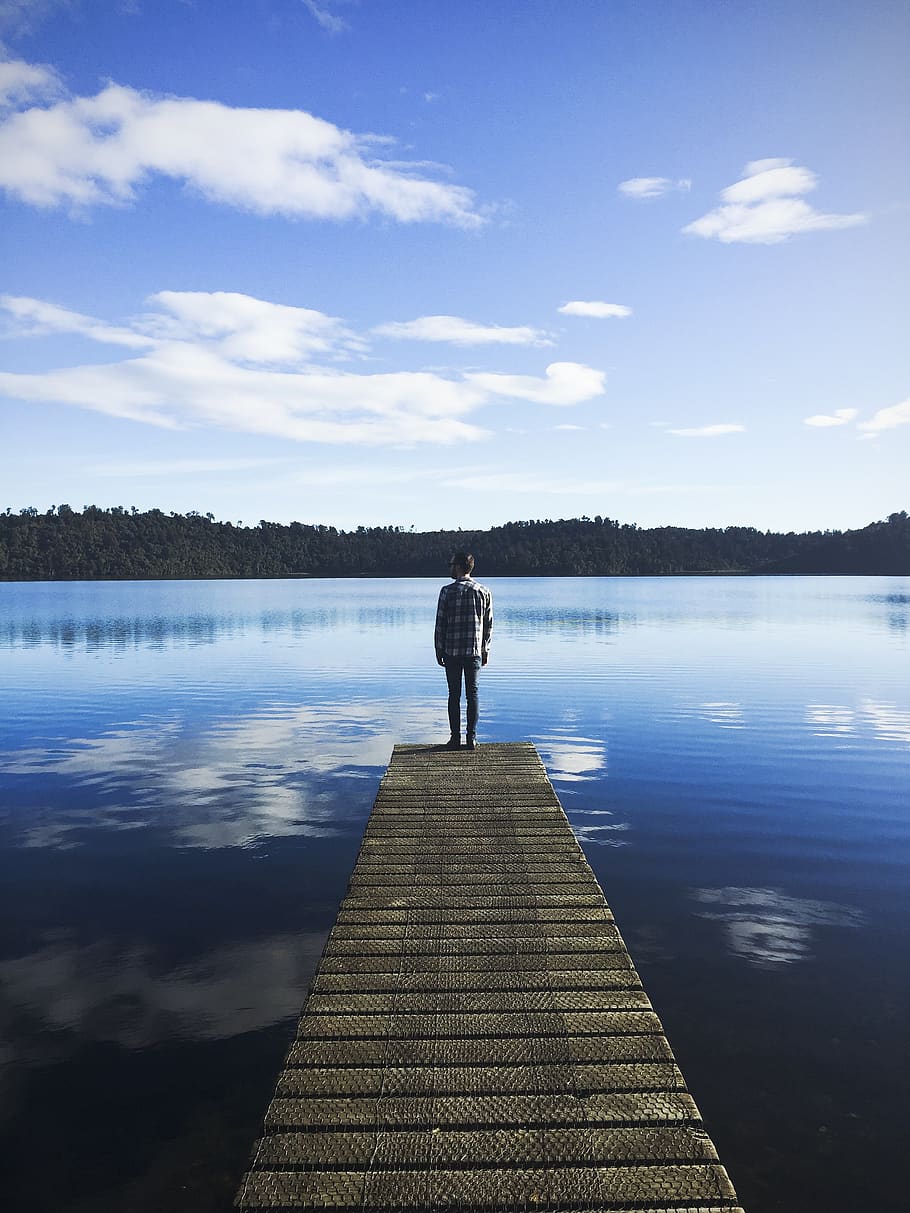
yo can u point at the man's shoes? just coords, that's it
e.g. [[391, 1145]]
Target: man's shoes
[[454, 743], [470, 744]]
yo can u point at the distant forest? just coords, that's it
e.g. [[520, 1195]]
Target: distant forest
[[64, 544]]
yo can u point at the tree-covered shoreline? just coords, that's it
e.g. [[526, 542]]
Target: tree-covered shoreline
[[63, 544]]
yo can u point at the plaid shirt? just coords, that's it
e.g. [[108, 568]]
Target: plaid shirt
[[464, 619]]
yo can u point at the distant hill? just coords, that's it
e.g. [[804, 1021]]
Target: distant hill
[[97, 544]]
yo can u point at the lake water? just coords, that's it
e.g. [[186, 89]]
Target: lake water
[[186, 769]]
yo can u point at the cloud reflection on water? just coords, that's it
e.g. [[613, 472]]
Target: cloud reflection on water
[[885, 721], [570, 758], [222, 785], [574, 759], [767, 927], [117, 992], [727, 715], [601, 835]]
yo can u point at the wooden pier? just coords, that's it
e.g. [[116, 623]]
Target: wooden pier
[[476, 1037]]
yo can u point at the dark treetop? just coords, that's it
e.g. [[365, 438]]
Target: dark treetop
[[64, 544]]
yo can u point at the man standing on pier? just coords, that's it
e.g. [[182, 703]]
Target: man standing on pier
[[464, 629]]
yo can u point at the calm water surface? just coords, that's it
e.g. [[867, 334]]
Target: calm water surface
[[186, 769]]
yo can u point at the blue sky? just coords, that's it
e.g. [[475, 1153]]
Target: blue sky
[[439, 265]]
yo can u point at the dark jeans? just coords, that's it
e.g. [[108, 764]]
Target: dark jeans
[[469, 667]]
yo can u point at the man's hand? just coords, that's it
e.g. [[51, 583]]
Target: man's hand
[[485, 658]]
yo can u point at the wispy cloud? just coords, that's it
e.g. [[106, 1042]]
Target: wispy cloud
[[35, 318], [456, 331], [824, 420], [887, 419], [19, 17], [708, 431], [154, 468], [384, 473], [595, 308], [230, 361], [765, 207], [237, 326], [330, 22], [656, 490], [652, 187], [82, 152], [502, 481]]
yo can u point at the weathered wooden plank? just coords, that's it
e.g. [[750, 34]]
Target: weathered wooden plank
[[476, 1036]]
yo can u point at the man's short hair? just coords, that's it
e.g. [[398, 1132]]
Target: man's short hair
[[464, 560]]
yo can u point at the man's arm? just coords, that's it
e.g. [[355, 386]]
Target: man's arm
[[487, 629], [439, 633]]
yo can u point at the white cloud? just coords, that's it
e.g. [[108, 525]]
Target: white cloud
[[180, 385], [241, 364], [887, 419], [251, 330], [765, 208], [456, 331], [595, 308], [754, 167], [708, 431], [239, 327], [91, 151], [565, 383], [652, 187], [23, 82], [838, 417], [766, 179]]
